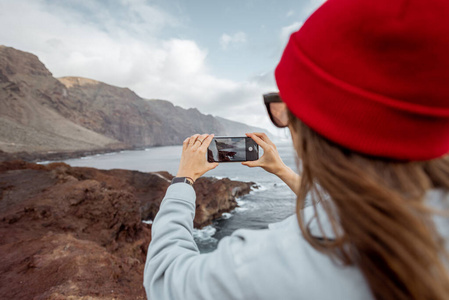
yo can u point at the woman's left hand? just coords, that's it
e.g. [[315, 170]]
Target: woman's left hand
[[193, 158]]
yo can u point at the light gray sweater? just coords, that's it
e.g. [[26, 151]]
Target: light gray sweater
[[276, 263]]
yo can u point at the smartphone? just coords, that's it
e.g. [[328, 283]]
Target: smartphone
[[232, 149]]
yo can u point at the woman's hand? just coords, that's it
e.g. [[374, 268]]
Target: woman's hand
[[270, 160], [193, 158]]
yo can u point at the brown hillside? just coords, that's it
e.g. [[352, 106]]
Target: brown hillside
[[119, 113], [29, 120], [39, 113], [76, 233]]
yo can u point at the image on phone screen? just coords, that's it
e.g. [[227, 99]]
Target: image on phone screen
[[232, 149]]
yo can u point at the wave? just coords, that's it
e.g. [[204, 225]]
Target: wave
[[240, 202], [240, 209], [110, 153], [259, 188], [230, 178], [226, 216], [205, 233]]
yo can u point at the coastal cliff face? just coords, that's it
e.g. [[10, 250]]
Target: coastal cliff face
[[120, 114], [30, 101], [39, 113], [117, 113], [76, 233]]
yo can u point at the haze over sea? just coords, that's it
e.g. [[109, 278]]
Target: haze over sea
[[273, 201]]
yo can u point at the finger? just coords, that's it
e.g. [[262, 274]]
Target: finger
[[185, 143], [207, 141], [192, 140], [264, 137], [259, 141], [251, 164], [213, 166], [200, 141]]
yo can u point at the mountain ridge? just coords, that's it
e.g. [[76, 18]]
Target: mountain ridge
[[41, 113], [29, 98]]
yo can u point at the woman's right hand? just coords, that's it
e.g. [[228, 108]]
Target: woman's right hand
[[270, 160]]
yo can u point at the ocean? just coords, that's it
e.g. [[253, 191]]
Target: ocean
[[272, 202]]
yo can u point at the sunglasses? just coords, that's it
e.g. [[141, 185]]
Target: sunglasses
[[277, 110]]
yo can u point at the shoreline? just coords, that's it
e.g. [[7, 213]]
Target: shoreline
[[56, 156], [87, 221]]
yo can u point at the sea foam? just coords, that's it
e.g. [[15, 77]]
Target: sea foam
[[205, 233], [226, 216]]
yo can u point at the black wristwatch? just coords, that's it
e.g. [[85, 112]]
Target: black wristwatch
[[182, 179]]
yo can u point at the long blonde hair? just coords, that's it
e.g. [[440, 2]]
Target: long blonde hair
[[387, 228]]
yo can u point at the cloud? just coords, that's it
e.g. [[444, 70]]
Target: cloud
[[311, 6], [124, 45], [290, 13], [226, 40], [287, 31]]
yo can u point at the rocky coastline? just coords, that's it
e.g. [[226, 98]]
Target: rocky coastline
[[41, 114], [77, 233], [56, 155]]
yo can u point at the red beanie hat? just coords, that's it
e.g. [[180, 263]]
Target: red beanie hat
[[373, 76]]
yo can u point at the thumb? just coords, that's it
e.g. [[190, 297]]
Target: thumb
[[213, 165], [250, 164]]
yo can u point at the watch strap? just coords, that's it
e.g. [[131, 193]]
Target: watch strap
[[182, 179]]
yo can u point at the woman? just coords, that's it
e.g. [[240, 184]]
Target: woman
[[364, 86]]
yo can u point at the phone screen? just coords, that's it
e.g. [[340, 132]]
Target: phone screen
[[230, 149]]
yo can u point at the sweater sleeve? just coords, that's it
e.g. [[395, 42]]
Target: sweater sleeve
[[174, 268]]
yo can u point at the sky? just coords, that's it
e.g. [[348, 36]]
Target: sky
[[216, 56]]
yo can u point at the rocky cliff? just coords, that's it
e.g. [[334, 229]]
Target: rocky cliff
[[30, 101], [76, 233], [120, 114], [39, 113]]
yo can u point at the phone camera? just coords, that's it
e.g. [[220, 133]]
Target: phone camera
[[250, 148]]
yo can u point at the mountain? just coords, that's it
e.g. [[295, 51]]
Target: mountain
[[175, 119], [29, 101], [238, 129], [39, 113], [120, 114]]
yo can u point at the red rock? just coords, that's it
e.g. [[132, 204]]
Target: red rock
[[75, 233]]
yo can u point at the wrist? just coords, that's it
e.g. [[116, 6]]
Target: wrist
[[284, 172], [188, 175], [187, 180]]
